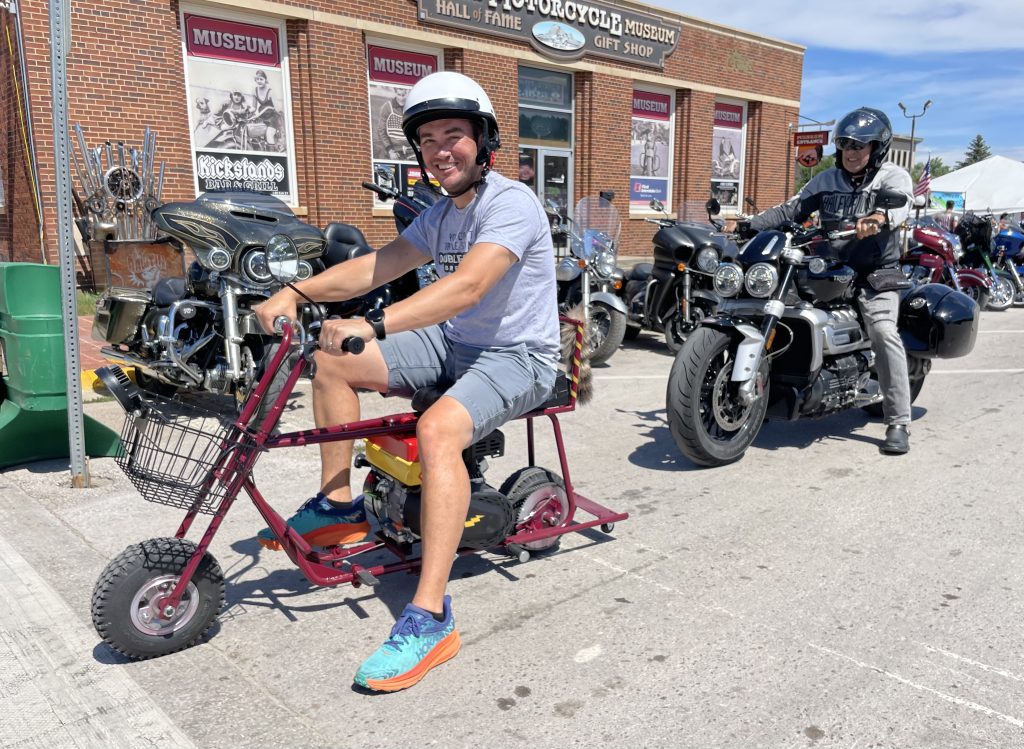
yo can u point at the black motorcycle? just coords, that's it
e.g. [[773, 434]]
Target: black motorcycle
[[788, 341], [199, 333], [672, 295]]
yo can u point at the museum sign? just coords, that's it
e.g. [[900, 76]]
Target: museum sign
[[563, 29]]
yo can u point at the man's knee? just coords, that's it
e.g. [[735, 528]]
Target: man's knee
[[445, 427]]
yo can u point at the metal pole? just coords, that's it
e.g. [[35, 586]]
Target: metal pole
[[60, 43]]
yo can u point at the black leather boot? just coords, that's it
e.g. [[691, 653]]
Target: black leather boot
[[897, 440]]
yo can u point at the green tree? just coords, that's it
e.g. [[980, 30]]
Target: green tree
[[938, 169], [803, 174], [977, 151]]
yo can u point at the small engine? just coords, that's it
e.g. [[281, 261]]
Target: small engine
[[838, 383], [391, 491]]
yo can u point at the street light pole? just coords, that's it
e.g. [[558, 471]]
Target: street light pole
[[913, 124]]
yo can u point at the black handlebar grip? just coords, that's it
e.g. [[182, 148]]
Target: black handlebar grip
[[353, 345]]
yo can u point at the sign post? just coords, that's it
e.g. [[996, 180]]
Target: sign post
[[60, 40]]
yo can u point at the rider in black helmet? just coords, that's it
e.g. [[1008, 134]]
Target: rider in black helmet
[[844, 196]]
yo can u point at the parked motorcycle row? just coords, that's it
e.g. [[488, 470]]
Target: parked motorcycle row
[[760, 327]]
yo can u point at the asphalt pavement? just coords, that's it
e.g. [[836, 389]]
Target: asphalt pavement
[[814, 594]]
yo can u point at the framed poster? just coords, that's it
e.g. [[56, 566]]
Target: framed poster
[[239, 103]]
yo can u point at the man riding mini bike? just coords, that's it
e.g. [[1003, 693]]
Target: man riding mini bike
[[486, 333]]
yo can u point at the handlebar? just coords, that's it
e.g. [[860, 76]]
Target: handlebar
[[351, 345], [385, 193]]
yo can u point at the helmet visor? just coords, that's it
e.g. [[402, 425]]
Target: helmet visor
[[849, 144]]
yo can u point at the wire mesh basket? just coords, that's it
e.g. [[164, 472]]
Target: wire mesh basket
[[180, 455]]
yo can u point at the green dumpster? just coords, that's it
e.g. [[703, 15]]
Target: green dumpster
[[33, 392]]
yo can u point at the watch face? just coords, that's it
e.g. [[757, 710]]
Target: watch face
[[375, 315]]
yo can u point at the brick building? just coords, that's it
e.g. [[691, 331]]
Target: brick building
[[624, 97]]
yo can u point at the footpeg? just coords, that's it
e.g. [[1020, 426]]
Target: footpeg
[[366, 577]]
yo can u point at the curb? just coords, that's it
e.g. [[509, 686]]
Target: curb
[[92, 385]]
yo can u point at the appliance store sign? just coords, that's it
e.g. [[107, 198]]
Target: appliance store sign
[[563, 29]]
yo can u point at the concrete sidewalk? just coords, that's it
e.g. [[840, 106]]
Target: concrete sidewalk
[[814, 594]]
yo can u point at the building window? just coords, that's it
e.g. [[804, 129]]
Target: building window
[[651, 150], [391, 73], [239, 104], [727, 148], [546, 135]]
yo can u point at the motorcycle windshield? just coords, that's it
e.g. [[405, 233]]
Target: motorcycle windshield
[[598, 228]]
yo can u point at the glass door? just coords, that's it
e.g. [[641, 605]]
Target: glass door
[[548, 172]]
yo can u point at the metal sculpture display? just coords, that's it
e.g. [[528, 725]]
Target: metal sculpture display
[[120, 188]]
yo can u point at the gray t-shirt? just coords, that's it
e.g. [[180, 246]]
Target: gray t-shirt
[[522, 307]]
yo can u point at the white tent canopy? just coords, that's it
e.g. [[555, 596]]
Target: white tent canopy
[[995, 185]]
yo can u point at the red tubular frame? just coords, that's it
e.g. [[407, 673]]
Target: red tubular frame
[[332, 567]]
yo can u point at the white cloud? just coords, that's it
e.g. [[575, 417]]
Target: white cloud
[[907, 27]]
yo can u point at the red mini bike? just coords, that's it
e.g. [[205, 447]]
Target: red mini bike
[[163, 594]]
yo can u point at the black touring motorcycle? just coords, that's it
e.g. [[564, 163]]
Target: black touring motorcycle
[[788, 341]]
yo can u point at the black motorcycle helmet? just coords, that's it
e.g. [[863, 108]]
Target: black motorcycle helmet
[[865, 125]]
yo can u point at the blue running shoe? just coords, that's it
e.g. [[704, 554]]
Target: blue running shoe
[[418, 642], [323, 524]]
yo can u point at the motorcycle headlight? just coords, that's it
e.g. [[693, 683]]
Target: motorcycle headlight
[[255, 267], [728, 280], [604, 264], [707, 260], [305, 270], [761, 280], [567, 269]]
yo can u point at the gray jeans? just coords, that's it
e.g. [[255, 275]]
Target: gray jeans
[[880, 310]]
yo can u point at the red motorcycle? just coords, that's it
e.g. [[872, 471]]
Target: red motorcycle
[[164, 594], [933, 256]]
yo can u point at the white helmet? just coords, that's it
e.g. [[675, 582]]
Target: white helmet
[[446, 95]]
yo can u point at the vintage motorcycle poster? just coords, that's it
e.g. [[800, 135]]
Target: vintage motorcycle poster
[[650, 149], [727, 154], [392, 73], [239, 105]]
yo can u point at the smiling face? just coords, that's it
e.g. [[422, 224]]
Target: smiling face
[[856, 157], [449, 149]]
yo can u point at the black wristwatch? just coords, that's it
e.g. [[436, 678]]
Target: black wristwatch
[[376, 319]]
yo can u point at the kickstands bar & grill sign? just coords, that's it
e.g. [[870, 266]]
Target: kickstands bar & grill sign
[[563, 29], [239, 105]]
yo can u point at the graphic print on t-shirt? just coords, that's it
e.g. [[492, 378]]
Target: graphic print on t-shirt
[[451, 254]]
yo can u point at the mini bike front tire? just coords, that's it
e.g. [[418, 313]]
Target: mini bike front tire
[[120, 612]]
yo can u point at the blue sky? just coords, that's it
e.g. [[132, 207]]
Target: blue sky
[[966, 56]]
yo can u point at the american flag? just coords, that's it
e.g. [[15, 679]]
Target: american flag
[[925, 183]]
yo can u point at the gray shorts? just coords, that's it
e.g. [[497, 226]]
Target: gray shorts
[[494, 385]]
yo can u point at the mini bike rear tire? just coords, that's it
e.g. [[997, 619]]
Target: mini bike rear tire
[[521, 488], [121, 612]]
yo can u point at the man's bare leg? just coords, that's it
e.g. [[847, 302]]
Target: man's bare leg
[[335, 401], [444, 431]]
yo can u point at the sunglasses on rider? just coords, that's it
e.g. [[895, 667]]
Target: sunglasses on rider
[[849, 144]]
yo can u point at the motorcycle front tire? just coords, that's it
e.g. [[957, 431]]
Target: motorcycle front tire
[[607, 328], [1002, 291], [276, 386], [707, 421]]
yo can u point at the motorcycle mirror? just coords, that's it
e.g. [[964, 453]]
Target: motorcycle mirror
[[714, 207], [657, 205], [919, 201], [282, 258], [749, 201], [886, 199]]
